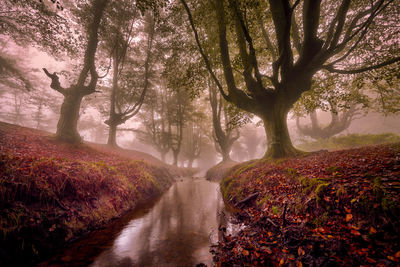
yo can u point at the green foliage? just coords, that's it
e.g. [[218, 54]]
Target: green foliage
[[276, 210], [333, 169], [321, 220], [292, 173], [350, 141], [316, 185]]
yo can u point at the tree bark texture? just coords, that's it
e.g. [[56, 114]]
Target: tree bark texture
[[67, 126]]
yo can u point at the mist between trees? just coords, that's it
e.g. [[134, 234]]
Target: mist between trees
[[197, 82]]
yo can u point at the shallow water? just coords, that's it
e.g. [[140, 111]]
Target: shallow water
[[177, 229]]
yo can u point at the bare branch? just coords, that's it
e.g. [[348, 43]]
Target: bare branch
[[295, 34], [205, 58], [333, 36], [8, 67], [253, 57], [55, 82], [331, 69], [268, 42]]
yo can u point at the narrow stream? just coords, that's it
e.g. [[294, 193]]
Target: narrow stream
[[177, 230]]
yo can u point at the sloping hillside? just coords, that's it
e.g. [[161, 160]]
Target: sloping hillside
[[51, 192], [337, 208]]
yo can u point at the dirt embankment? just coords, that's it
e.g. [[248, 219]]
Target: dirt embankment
[[325, 209], [52, 193], [221, 170]]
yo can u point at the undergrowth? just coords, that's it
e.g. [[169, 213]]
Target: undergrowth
[[340, 207], [350, 141]]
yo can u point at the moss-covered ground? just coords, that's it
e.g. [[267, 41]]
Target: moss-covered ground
[[337, 208]]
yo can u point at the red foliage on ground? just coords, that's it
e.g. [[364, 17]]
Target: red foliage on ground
[[52, 192], [336, 208]]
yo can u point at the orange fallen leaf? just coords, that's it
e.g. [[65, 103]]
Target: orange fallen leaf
[[355, 232], [397, 254], [370, 260], [349, 216], [300, 251], [372, 230], [245, 252], [299, 264]]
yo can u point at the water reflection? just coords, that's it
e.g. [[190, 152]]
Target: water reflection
[[177, 231]]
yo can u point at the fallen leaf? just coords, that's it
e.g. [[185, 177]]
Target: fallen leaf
[[349, 216], [355, 232], [370, 260], [372, 230], [300, 251], [245, 252]]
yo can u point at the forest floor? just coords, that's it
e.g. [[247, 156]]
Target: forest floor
[[51, 192], [324, 209]]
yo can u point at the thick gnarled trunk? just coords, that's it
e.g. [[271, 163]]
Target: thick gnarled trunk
[[278, 139], [69, 116], [67, 130]]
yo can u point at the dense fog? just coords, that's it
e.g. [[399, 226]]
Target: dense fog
[[152, 87]]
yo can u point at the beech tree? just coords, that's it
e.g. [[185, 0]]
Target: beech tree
[[156, 130], [85, 84], [130, 76], [178, 109], [279, 46], [192, 140], [224, 132], [343, 97]]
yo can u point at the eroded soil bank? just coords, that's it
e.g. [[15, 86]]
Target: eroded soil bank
[[325, 209], [52, 193]]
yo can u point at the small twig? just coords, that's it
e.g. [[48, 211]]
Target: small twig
[[284, 215], [247, 199], [271, 222]]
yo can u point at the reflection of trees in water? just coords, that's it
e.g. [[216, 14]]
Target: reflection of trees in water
[[176, 231], [184, 220], [221, 219]]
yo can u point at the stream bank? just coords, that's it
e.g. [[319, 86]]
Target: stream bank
[[177, 229], [52, 193], [338, 208]]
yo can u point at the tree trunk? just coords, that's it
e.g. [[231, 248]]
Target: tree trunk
[[68, 123], [190, 163], [112, 134], [162, 154], [225, 154], [175, 154], [277, 134]]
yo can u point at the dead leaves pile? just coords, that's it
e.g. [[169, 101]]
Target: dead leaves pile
[[340, 208]]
